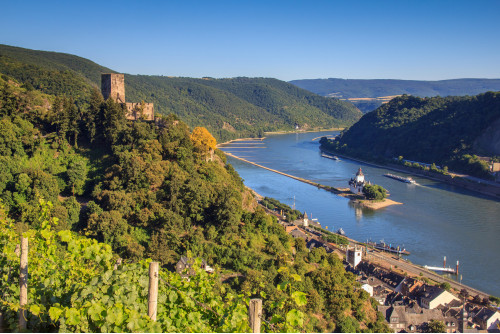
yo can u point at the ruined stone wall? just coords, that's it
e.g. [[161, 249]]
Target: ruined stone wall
[[113, 85], [136, 111]]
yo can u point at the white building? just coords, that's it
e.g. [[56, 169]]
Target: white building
[[488, 319], [434, 296], [353, 256], [357, 184], [368, 288]]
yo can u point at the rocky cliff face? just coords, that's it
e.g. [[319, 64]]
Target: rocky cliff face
[[489, 141]]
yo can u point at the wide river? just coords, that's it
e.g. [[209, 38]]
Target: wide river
[[435, 220]]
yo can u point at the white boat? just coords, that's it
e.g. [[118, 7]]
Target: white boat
[[330, 157], [401, 178]]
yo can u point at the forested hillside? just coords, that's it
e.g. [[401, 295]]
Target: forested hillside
[[445, 131], [357, 88], [228, 108], [139, 190]]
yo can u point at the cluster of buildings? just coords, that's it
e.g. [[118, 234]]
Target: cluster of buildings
[[303, 228], [408, 304]]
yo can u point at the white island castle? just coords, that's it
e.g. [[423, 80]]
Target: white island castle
[[357, 184]]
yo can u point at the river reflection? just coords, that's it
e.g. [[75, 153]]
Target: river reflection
[[435, 220]]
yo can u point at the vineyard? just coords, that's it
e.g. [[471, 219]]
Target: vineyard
[[74, 285]]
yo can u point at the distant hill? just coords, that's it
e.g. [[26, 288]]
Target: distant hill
[[373, 91], [228, 108], [446, 131]]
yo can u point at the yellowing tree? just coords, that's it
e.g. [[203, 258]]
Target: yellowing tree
[[203, 140]]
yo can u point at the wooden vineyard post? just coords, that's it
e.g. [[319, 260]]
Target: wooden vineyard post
[[23, 283], [254, 313], [153, 290]]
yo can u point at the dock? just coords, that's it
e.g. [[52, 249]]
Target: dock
[[444, 268]]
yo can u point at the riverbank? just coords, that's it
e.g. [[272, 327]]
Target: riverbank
[[277, 133], [239, 139], [401, 266], [344, 192], [375, 205], [483, 188], [302, 131]]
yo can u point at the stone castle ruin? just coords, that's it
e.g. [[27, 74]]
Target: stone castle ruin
[[113, 85]]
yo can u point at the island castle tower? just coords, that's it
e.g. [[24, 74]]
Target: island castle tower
[[357, 184], [113, 86]]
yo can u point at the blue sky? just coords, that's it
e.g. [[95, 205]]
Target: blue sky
[[405, 39]]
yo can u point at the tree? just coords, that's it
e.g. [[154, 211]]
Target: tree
[[374, 192], [203, 141], [77, 176], [93, 117], [445, 285], [436, 326]]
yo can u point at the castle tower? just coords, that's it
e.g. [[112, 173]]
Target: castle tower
[[357, 184], [113, 85], [306, 219], [360, 177], [354, 256]]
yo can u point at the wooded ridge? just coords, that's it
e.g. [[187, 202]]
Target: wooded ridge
[[449, 132], [86, 186], [228, 108]]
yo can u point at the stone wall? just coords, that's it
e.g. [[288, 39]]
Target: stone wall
[[136, 111], [113, 85]]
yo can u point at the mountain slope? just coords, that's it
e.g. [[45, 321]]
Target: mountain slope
[[441, 130], [355, 89], [229, 108], [149, 190]]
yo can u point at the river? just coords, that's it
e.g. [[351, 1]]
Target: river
[[435, 220]]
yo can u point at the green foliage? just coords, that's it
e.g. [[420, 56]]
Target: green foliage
[[73, 288], [374, 192], [436, 326], [60, 264], [144, 190], [331, 237], [495, 299], [281, 208], [445, 285], [440, 130], [228, 108]]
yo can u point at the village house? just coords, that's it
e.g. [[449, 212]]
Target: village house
[[298, 233], [432, 296], [185, 266], [487, 319], [395, 316], [409, 287], [368, 288], [413, 319]]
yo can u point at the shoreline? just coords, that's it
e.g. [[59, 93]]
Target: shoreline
[[276, 133], [381, 259], [301, 131], [239, 139], [454, 181], [343, 192], [375, 205]]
